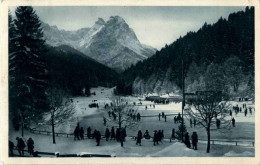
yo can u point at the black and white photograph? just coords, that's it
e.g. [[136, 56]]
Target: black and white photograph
[[131, 81]]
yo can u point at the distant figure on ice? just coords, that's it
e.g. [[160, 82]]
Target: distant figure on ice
[[30, 146], [107, 134], [146, 135], [139, 137], [154, 106], [11, 148], [165, 118], [187, 140], [194, 139], [20, 146], [245, 111], [218, 123], [190, 122], [175, 120], [113, 136], [233, 121], [240, 109], [98, 137], [194, 122], [76, 132], [230, 112], [89, 132], [159, 116], [105, 121], [138, 117], [250, 110], [81, 133], [162, 114], [146, 107]]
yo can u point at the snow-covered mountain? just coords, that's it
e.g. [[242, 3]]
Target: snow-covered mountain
[[110, 42]]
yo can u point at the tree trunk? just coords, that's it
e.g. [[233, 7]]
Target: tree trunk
[[208, 145], [53, 131]]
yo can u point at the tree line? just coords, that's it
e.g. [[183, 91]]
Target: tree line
[[225, 48]]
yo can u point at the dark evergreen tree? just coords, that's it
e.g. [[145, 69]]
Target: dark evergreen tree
[[181, 128], [27, 67]]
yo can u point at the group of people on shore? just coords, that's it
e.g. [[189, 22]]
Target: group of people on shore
[[194, 140], [20, 146]]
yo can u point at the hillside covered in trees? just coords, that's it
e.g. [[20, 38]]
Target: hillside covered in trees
[[74, 71], [216, 57]]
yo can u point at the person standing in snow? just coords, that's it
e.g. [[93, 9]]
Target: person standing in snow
[[117, 134], [165, 118], [155, 138], [139, 137], [113, 136], [107, 134], [159, 116], [173, 133], [187, 140], [105, 121], [89, 132], [30, 146], [76, 133], [233, 122], [194, 139], [11, 148], [194, 122], [20, 146], [98, 137], [81, 133]]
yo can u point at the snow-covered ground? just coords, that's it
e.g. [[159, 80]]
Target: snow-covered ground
[[93, 117]]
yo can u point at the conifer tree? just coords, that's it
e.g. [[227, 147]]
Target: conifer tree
[[181, 128], [27, 67]]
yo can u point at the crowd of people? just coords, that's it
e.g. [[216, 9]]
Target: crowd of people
[[20, 146]]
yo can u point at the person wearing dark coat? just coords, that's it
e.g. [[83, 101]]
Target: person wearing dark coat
[[194, 139], [113, 136], [134, 117], [159, 136], [230, 112], [105, 121], [139, 137], [173, 133], [98, 137], [146, 135], [245, 111], [11, 148], [30, 146], [233, 122], [117, 134], [165, 118], [218, 123], [89, 132], [123, 133], [76, 133], [159, 116], [107, 134], [20, 146], [194, 122], [94, 135], [187, 140], [81, 133], [138, 117], [155, 138]]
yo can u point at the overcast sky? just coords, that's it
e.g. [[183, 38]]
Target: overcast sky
[[154, 26]]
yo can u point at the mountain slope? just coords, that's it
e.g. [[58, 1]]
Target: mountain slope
[[73, 70], [224, 50], [112, 43]]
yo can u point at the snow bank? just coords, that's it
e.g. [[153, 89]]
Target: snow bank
[[178, 150], [243, 154]]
